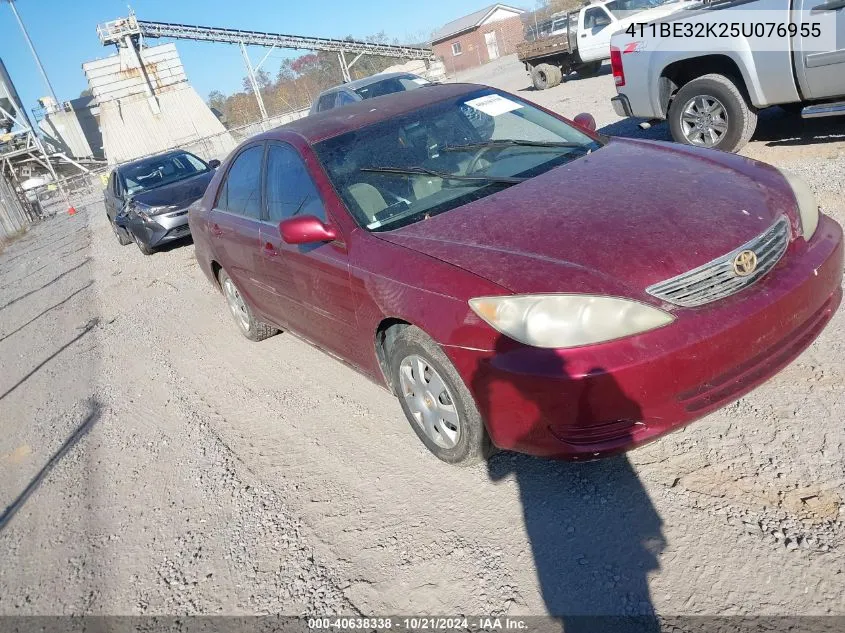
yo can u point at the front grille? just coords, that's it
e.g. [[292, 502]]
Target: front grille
[[717, 279]]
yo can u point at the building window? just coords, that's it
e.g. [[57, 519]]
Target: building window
[[456, 48]]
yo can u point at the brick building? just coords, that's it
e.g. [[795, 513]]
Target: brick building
[[479, 37]]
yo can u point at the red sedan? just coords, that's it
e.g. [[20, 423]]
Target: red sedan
[[517, 280]]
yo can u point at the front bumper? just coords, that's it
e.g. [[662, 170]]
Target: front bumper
[[621, 105], [163, 228], [603, 399]]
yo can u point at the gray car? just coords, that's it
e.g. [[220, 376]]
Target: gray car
[[147, 200], [366, 88]]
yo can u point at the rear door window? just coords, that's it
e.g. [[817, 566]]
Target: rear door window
[[241, 191]]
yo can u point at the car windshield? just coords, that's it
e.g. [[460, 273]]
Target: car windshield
[[161, 170], [391, 85], [442, 156]]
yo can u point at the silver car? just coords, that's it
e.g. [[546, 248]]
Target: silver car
[[366, 88]]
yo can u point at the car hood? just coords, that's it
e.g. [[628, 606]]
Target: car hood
[[177, 194], [629, 215]]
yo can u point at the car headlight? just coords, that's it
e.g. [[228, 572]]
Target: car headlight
[[808, 208], [567, 320], [147, 212]]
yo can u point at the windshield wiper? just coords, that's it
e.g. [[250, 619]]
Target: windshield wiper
[[512, 142], [505, 180]]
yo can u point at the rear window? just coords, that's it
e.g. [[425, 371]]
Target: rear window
[[389, 86]]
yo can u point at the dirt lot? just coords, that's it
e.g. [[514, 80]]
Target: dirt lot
[[153, 461]]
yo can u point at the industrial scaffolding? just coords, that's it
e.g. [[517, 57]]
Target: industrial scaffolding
[[130, 30]]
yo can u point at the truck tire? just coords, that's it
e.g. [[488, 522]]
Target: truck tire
[[545, 76], [712, 112], [589, 70]]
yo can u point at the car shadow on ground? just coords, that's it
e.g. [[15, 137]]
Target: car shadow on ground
[[630, 128], [595, 534], [776, 127]]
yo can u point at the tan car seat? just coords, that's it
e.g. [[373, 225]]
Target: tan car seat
[[368, 198]]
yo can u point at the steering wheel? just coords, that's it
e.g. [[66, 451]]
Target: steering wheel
[[473, 163]]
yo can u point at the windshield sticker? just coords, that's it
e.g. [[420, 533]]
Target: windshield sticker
[[493, 105]]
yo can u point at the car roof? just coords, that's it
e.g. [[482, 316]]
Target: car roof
[[329, 123]]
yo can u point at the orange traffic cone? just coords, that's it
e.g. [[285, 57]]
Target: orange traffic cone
[[71, 211]]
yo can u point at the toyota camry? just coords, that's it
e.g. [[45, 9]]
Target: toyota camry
[[515, 279]]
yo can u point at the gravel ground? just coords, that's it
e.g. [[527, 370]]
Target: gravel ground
[[154, 462]]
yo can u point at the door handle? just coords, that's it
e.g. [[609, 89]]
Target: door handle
[[270, 250], [216, 230], [830, 5], [583, 35]]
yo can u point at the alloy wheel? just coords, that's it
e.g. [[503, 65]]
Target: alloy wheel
[[704, 121]]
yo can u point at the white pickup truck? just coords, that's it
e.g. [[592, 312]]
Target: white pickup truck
[[580, 41], [711, 92]]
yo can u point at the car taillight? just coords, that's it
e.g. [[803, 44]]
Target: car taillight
[[616, 66]]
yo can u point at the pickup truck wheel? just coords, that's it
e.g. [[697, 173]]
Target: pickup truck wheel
[[545, 76], [711, 112]]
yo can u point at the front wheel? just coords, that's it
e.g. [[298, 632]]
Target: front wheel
[[146, 250], [711, 112], [119, 234], [436, 401]]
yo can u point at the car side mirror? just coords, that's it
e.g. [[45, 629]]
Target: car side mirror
[[306, 230], [585, 121], [214, 163]]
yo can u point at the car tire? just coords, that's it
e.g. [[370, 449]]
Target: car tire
[[250, 327], [146, 250], [740, 117], [461, 440], [589, 70], [544, 75], [121, 237]]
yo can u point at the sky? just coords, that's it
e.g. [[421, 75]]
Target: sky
[[64, 33]]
